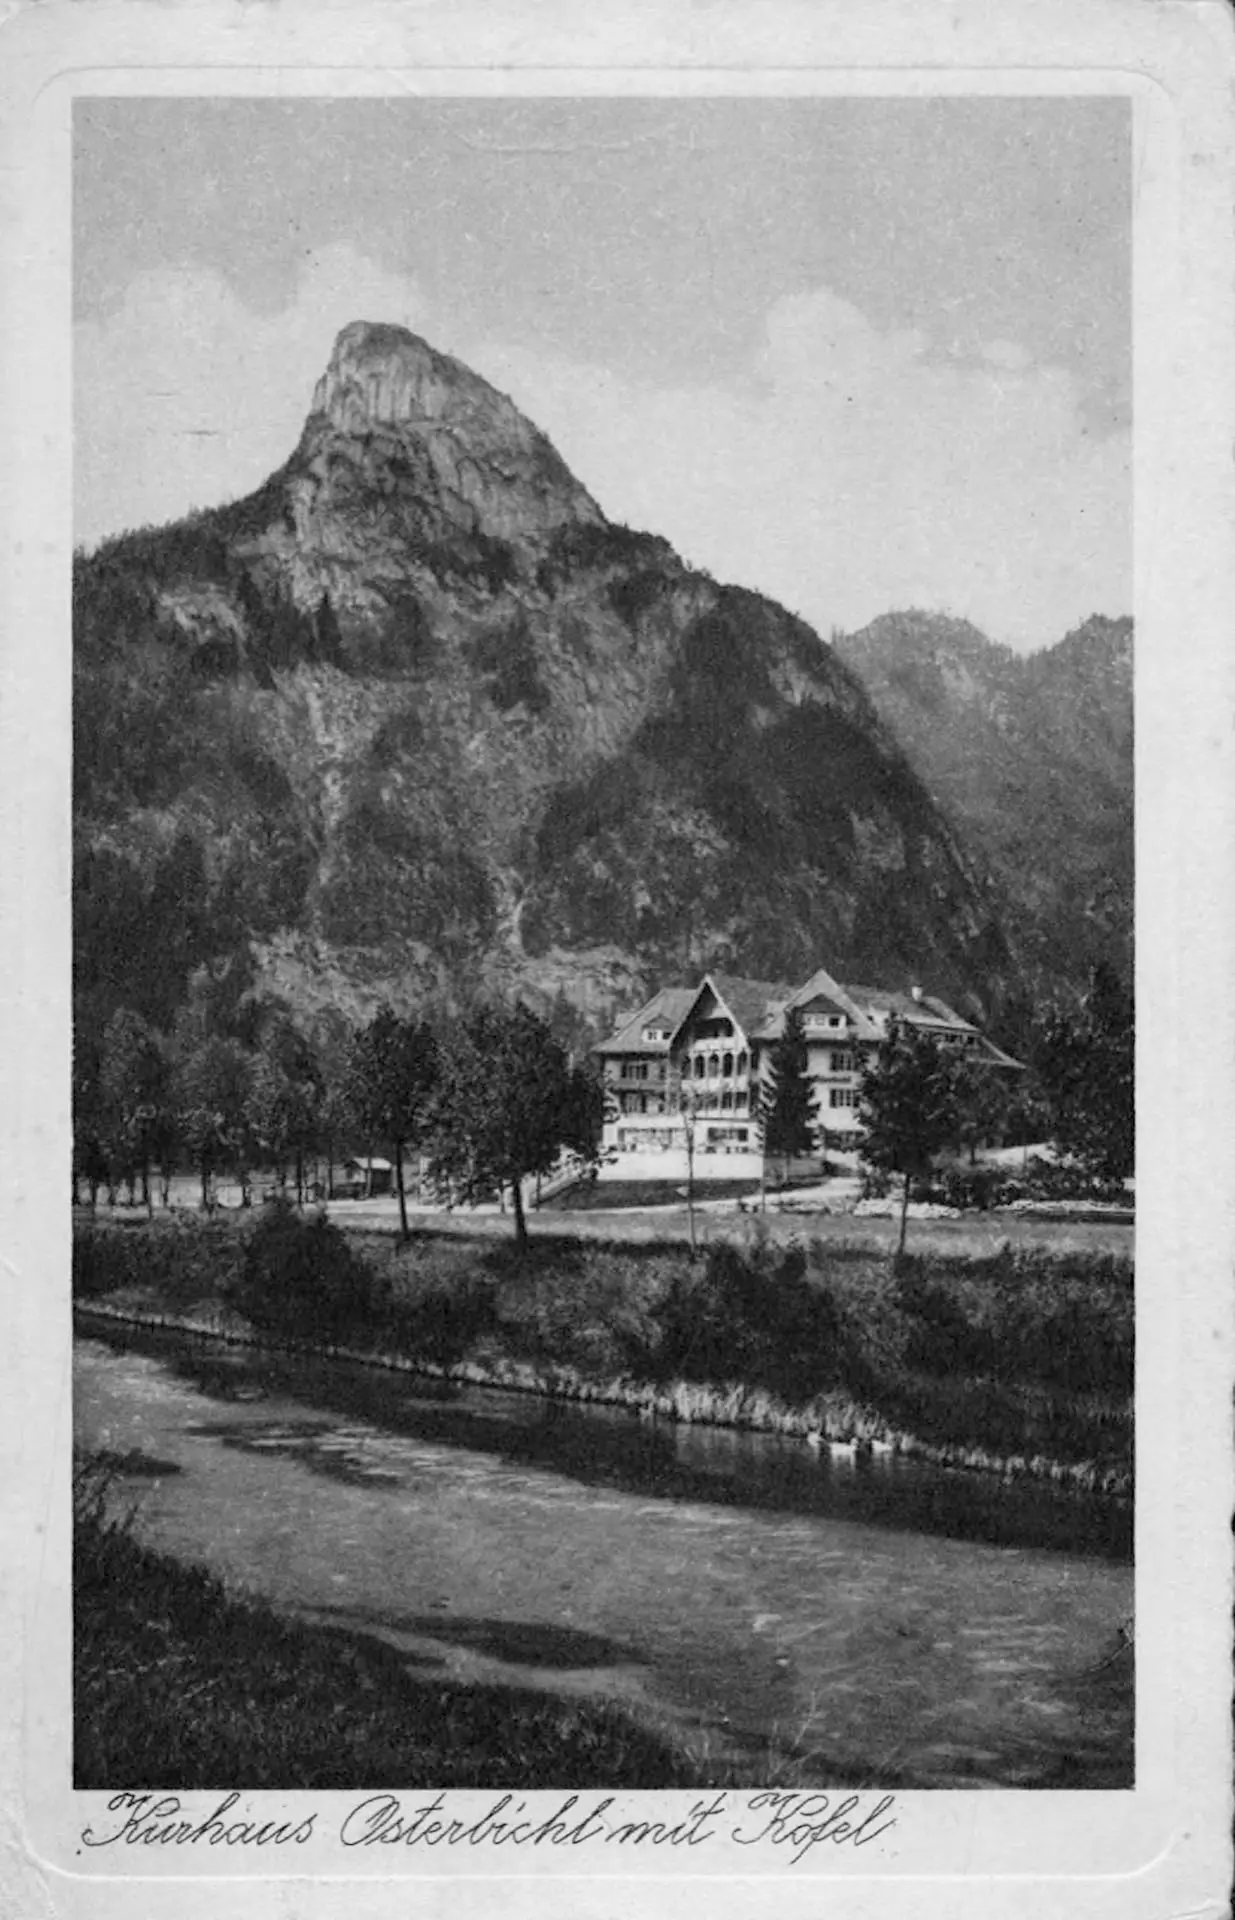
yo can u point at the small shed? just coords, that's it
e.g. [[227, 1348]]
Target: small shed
[[364, 1179]]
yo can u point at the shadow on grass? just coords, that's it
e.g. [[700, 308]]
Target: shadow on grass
[[136, 1465], [180, 1684], [523, 1643]]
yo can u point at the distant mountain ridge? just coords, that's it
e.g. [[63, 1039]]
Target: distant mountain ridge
[[1031, 757], [415, 720]]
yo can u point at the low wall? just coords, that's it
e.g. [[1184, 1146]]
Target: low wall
[[669, 1164]]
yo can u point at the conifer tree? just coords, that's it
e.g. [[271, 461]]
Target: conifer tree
[[786, 1098], [132, 1090], [1085, 1062]]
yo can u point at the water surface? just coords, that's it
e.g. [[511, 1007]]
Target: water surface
[[884, 1622]]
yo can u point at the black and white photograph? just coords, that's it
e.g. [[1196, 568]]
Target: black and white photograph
[[603, 884], [604, 871]]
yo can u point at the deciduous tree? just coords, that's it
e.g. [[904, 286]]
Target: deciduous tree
[[213, 1094], [908, 1101], [286, 1096], [508, 1103], [391, 1080], [984, 1095]]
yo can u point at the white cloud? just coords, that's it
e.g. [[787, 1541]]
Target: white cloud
[[851, 475], [856, 475], [185, 397]]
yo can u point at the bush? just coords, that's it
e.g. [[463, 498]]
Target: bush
[[1065, 1323], [300, 1276], [439, 1319], [1049, 1180], [754, 1317], [975, 1189], [942, 1337], [185, 1257]]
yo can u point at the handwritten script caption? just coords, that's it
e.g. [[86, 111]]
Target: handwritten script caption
[[786, 1825]]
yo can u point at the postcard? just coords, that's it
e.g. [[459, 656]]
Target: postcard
[[618, 809]]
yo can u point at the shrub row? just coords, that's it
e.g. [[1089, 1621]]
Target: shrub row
[[1024, 1349], [978, 1189], [184, 1256]]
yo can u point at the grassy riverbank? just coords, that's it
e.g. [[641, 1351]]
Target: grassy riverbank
[[178, 1682], [1018, 1361]]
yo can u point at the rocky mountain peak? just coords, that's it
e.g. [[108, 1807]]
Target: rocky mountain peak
[[417, 421], [415, 717]]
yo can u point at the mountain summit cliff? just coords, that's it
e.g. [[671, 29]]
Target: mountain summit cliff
[[421, 430], [416, 720]]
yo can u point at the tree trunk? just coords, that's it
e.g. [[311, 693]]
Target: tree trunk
[[690, 1195], [299, 1177], [520, 1222], [93, 1185], [147, 1202], [404, 1235], [205, 1174], [165, 1185], [900, 1245]]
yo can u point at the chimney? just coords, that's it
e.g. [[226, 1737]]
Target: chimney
[[916, 995]]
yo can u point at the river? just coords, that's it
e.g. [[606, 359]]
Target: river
[[884, 1622]]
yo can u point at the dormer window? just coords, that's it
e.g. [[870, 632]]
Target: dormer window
[[658, 1035]]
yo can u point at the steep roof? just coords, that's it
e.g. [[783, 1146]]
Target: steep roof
[[846, 1000], [932, 1014], [670, 1006], [758, 1007], [921, 1009], [751, 1002]]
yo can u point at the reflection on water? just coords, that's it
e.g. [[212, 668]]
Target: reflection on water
[[607, 1446], [877, 1619]]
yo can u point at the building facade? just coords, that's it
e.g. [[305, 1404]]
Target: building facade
[[692, 1060]]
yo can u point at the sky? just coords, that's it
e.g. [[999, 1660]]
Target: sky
[[858, 354]]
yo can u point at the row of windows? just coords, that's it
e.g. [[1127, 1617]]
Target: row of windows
[[727, 1101], [652, 1139], [717, 1065]]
